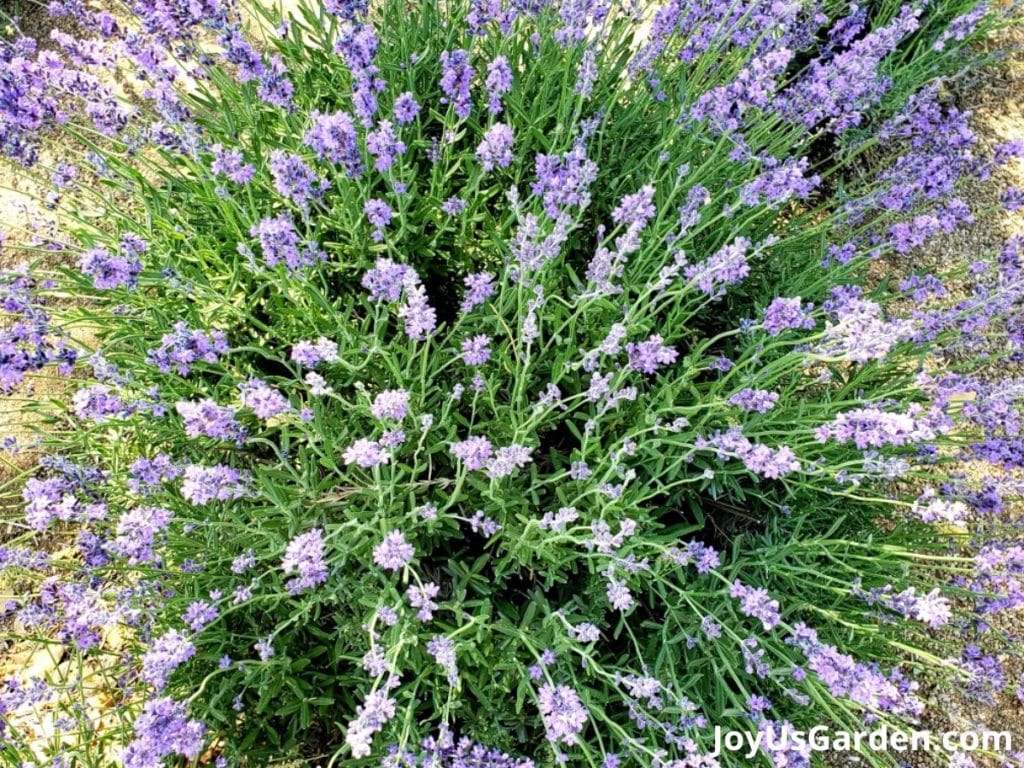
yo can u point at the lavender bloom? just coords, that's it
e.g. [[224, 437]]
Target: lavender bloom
[[262, 399], [506, 460], [371, 716], [304, 556], [479, 287], [473, 452], [563, 714], [422, 598], [202, 485], [394, 553], [564, 182], [333, 137], [231, 163], [379, 214], [137, 531], [207, 419], [726, 267], [147, 475], [755, 400], [365, 453], [456, 80], [586, 74], [108, 271], [166, 653], [779, 183], [296, 180], [784, 314], [443, 650], [163, 729], [384, 145], [280, 243], [476, 350], [99, 403], [406, 109], [756, 603], [647, 356], [385, 280], [453, 206], [871, 427], [498, 83], [390, 404], [496, 147], [199, 614], [181, 349], [420, 318], [312, 353]]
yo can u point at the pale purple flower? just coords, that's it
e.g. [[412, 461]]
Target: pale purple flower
[[496, 147], [498, 83], [304, 556], [390, 404], [365, 453], [647, 356], [507, 460], [406, 108], [476, 350], [563, 714], [474, 452], [394, 553]]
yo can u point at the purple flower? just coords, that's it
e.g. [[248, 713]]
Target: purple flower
[[473, 452], [506, 460], [136, 533], [726, 267], [394, 553], [783, 314], [406, 109], [304, 556], [390, 404], [476, 350], [312, 353], [379, 214], [479, 287], [334, 137], [202, 485], [647, 356], [420, 318], [422, 598], [231, 163], [385, 280], [453, 206], [262, 399], [162, 729], [296, 180], [199, 614], [280, 243], [166, 653], [456, 81], [757, 400], [756, 603], [496, 147], [365, 453], [181, 349], [384, 145], [108, 271], [443, 650], [498, 83], [563, 714], [206, 418]]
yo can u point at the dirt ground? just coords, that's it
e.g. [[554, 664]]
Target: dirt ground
[[995, 96]]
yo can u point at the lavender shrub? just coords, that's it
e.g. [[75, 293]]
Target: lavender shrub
[[503, 383]]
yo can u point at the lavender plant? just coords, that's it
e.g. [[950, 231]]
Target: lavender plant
[[505, 383]]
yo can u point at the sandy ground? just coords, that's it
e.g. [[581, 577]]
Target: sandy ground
[[994, 95]]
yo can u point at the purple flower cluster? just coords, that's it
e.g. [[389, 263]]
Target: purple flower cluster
[[562, 712], [207, 419], [201, 485], [184, 347], [496, 148], [280, 243], [304, 557], [334, 137], [456, 81]]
